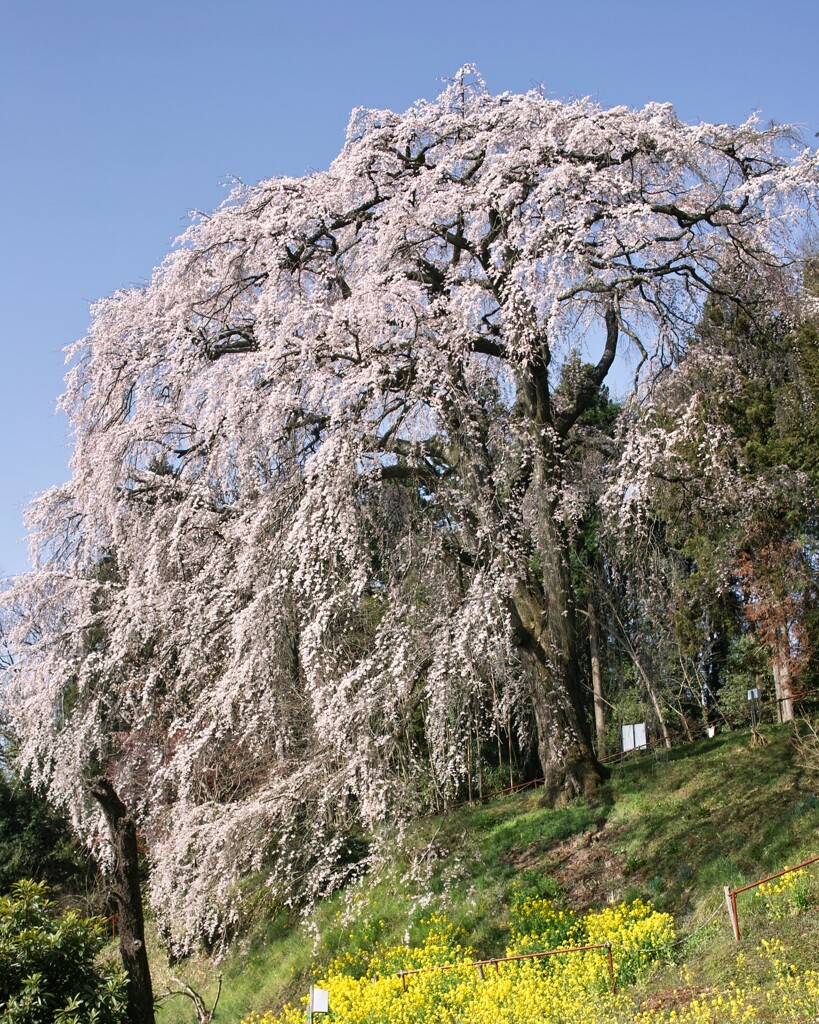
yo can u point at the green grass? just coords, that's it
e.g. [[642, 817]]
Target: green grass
[[673, 827]]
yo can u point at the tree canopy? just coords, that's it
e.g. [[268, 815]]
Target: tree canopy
[[328, 467]]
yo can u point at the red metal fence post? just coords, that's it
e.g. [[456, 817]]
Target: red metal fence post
[[731, 894]]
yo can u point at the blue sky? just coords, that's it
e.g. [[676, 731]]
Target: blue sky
[[118, 117]]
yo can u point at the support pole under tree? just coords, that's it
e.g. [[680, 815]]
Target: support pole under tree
[[127, 897], [731, 903], [597, 680]]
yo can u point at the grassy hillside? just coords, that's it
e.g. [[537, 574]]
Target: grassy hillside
[[670, 827]]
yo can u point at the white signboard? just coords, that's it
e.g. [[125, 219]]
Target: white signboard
[[634, 736], [319, 1000]]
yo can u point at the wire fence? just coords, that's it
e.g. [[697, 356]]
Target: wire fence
[[697, 731], [496, 961], [610, 947], [731, 894]]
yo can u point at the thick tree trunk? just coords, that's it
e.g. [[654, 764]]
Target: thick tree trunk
[[127, 899], [548, 644], [545, 609], [597, 680]]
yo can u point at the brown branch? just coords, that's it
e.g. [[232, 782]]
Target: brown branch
[[590, 386]]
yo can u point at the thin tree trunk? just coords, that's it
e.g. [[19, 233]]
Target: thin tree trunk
[[780, 664], [678, 711], [653, 696], [479, 761], [469, 763], [650, 688], [127, 898], [597, 680]]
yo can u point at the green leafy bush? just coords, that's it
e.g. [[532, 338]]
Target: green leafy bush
[[49, 968]]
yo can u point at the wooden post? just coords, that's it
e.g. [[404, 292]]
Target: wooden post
[[731, 902], [611, 968]]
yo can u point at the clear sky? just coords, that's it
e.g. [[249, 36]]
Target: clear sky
[[119, 116]]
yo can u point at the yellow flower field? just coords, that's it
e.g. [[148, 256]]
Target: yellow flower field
[[572, 988]]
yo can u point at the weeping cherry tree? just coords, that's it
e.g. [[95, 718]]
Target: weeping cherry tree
[[318, 524]]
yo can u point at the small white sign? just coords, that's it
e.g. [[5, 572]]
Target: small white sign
[[319, 1000], [634, 736], [753, 694]]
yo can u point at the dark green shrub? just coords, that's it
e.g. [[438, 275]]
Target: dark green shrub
[[49, 967], [35, 842]]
